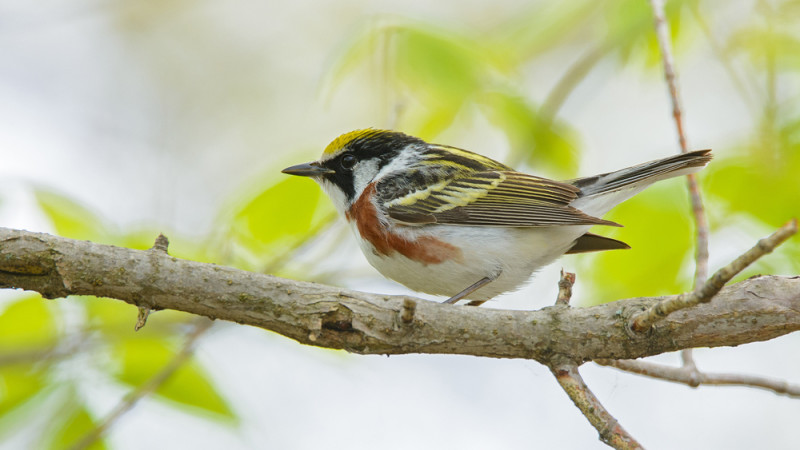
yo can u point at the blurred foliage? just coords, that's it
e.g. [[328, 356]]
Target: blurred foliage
[[257, 233], [436, 74], [141, 358], [659, 231], [74, 422], [435, 78], [34, 337]]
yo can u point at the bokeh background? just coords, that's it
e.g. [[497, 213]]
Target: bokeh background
[[120, 120]]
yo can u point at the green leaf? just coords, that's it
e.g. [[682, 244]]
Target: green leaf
[[769, 194], [283, 210], [70, 218], [18, 383], [658, 229], [761, 180], [275, 220], [27, 324], [73, 428], [440, 70], [141, 359]]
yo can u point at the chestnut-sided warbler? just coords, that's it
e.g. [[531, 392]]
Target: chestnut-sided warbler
[[447, 221]]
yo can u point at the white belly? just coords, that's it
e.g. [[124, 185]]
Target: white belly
[[515, 253]]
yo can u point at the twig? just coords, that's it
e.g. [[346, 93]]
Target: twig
[[642, 321], [141, 319], [565, 288], [696, 378], [662, 35], [130, 400], [611, 432]]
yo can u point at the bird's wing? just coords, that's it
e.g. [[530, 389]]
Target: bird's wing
[[490, 198]]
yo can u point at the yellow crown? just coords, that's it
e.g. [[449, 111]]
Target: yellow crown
[[340, 142]]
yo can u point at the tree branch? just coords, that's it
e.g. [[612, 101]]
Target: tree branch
[[611, 432], [702, 294], [753, 310], [695, 378]]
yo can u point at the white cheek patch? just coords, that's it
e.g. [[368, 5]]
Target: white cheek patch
[[336, 195]]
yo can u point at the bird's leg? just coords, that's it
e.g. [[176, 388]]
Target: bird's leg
[[472, 288]]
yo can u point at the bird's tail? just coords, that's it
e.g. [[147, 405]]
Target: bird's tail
[[616, 187]]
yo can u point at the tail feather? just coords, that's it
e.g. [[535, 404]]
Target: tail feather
[[600, 193], [643, 174]]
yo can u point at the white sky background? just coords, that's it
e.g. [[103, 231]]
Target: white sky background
[[77, 114]]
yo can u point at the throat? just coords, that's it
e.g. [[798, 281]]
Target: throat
[[424, 249]]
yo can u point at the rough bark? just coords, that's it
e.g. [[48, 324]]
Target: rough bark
[[753, 310]]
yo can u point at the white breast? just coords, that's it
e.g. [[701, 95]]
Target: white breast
[[513, 252]]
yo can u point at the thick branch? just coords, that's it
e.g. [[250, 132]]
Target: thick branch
[[754, 310]]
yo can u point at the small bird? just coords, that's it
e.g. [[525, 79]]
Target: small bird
[[446, 221]]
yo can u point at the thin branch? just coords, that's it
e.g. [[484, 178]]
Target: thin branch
[[698, 211], [642, 321], [696, 378], [130, 400], [325, 316], [611, 432]]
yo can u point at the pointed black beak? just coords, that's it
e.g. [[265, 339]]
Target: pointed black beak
[[307, 170]]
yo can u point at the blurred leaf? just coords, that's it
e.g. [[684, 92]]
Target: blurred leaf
[[75, 221], [283, 210], [441, 68], [534, 139], [762, 180], [438, 69], [27, 324], [762, 43], [142, 358], [545, 26], [278, 218], [631, 28], [72, 428], [69, 218], [429, 123], [658, 229], [768, 192], [18, 383]]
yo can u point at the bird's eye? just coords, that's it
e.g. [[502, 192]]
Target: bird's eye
[[348, 161]]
